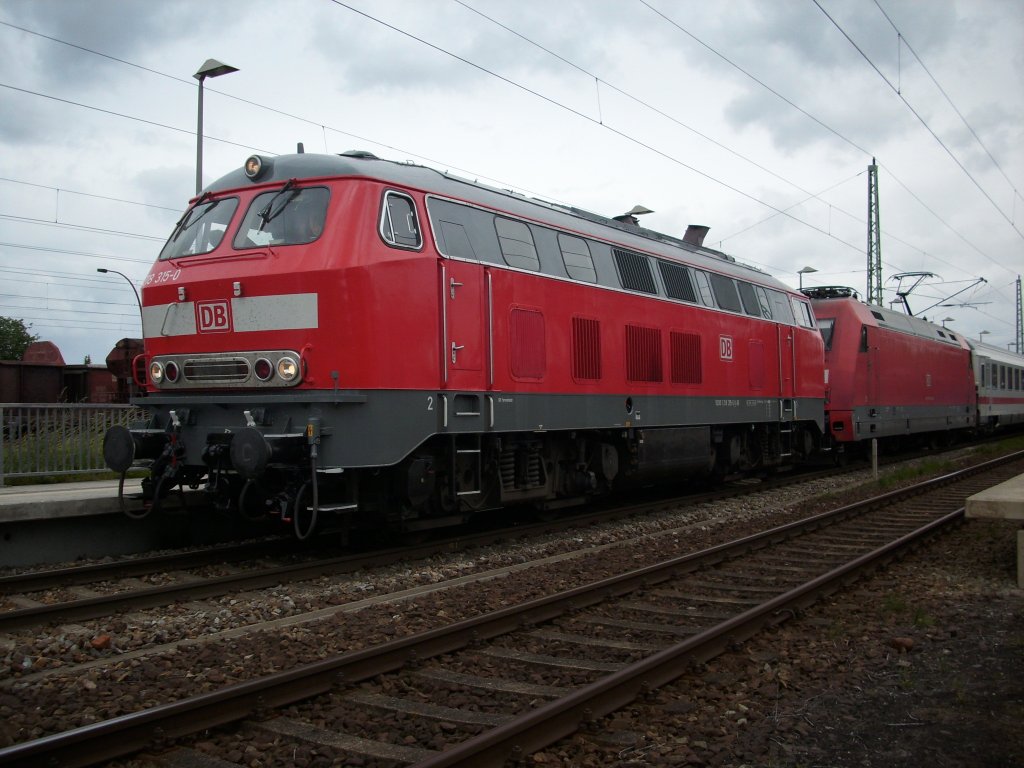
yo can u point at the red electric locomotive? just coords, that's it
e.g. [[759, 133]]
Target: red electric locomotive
[[889, 375], [390, 344]]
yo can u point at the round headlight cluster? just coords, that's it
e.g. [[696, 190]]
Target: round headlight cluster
[[288, 368], [263, 369], [158, 372], [256, 166]]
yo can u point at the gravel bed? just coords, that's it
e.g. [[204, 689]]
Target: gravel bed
[[921, 664], [27, 651], [124, 685]]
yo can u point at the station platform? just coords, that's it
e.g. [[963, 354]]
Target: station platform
[[64, 522], [56, 500], [1002, 502]]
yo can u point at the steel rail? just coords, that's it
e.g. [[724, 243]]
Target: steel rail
[[157, 726], [545, 725], [53, 578], [86, 608]]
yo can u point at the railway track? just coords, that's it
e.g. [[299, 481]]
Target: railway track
[[509, 682], [249, 575]]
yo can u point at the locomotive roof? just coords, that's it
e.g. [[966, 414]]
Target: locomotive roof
[[428, 180], [1000, 355], [881, 317]]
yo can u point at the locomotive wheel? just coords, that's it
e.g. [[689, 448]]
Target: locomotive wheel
[[303, 519]]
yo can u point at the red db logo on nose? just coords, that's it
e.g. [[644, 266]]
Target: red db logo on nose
[[213, 316]]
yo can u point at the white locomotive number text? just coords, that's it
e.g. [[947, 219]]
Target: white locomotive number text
[[167, 276]]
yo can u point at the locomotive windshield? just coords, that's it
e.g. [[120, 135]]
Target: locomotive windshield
[[200, 229], [826, 325], [286, 216]]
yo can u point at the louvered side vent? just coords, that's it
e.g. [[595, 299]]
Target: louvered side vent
[[756, 363], [643, 353], [686, 367], [634, 271], [526, 336], [586, 348], [677, 282]]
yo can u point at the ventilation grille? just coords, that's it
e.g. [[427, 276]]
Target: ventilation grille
[[643, 353], [686, 368], [677, 282], [634, 271], [214, 370], [529, 356], [586, 348], [756, 363]]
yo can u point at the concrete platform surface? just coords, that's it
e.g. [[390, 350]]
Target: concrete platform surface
[[42, 502], [1005, 501]]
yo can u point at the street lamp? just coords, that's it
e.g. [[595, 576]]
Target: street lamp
[[212, 68], [142, 325], [805, 271], [948, 320], [982, 333]]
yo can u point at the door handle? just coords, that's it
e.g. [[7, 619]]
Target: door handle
[[455, 351], [454, 285]]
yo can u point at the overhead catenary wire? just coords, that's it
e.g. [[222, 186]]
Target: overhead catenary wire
[[599, 81], [925, 123], [777, 210], [816, 120], [903, 40], [318, 123]]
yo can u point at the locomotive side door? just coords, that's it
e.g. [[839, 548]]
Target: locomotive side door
[[462, 333], [787, 360]]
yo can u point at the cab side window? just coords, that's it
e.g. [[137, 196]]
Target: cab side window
[[398, 223]]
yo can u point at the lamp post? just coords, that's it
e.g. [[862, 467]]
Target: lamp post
[[805, 271], [982, 333], [948, 320], [212, 68], [142, 325]]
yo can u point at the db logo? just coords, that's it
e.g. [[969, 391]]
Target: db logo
[[213, 316], [725, 347]]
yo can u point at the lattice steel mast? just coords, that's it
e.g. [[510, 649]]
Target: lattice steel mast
[[1019, 344], [874, 294]]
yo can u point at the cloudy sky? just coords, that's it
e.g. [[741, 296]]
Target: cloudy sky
[[757, 118]]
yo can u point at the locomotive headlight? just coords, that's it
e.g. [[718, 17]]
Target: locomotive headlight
[[256, 166], [287, 368], [156, 372], [263, 369], [171, 372]]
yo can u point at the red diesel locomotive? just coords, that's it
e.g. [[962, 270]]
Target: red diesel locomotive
[[390, 344]]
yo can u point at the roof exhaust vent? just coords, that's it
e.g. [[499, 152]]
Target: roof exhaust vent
[[300, 149], [630, 216], [695, 234]]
